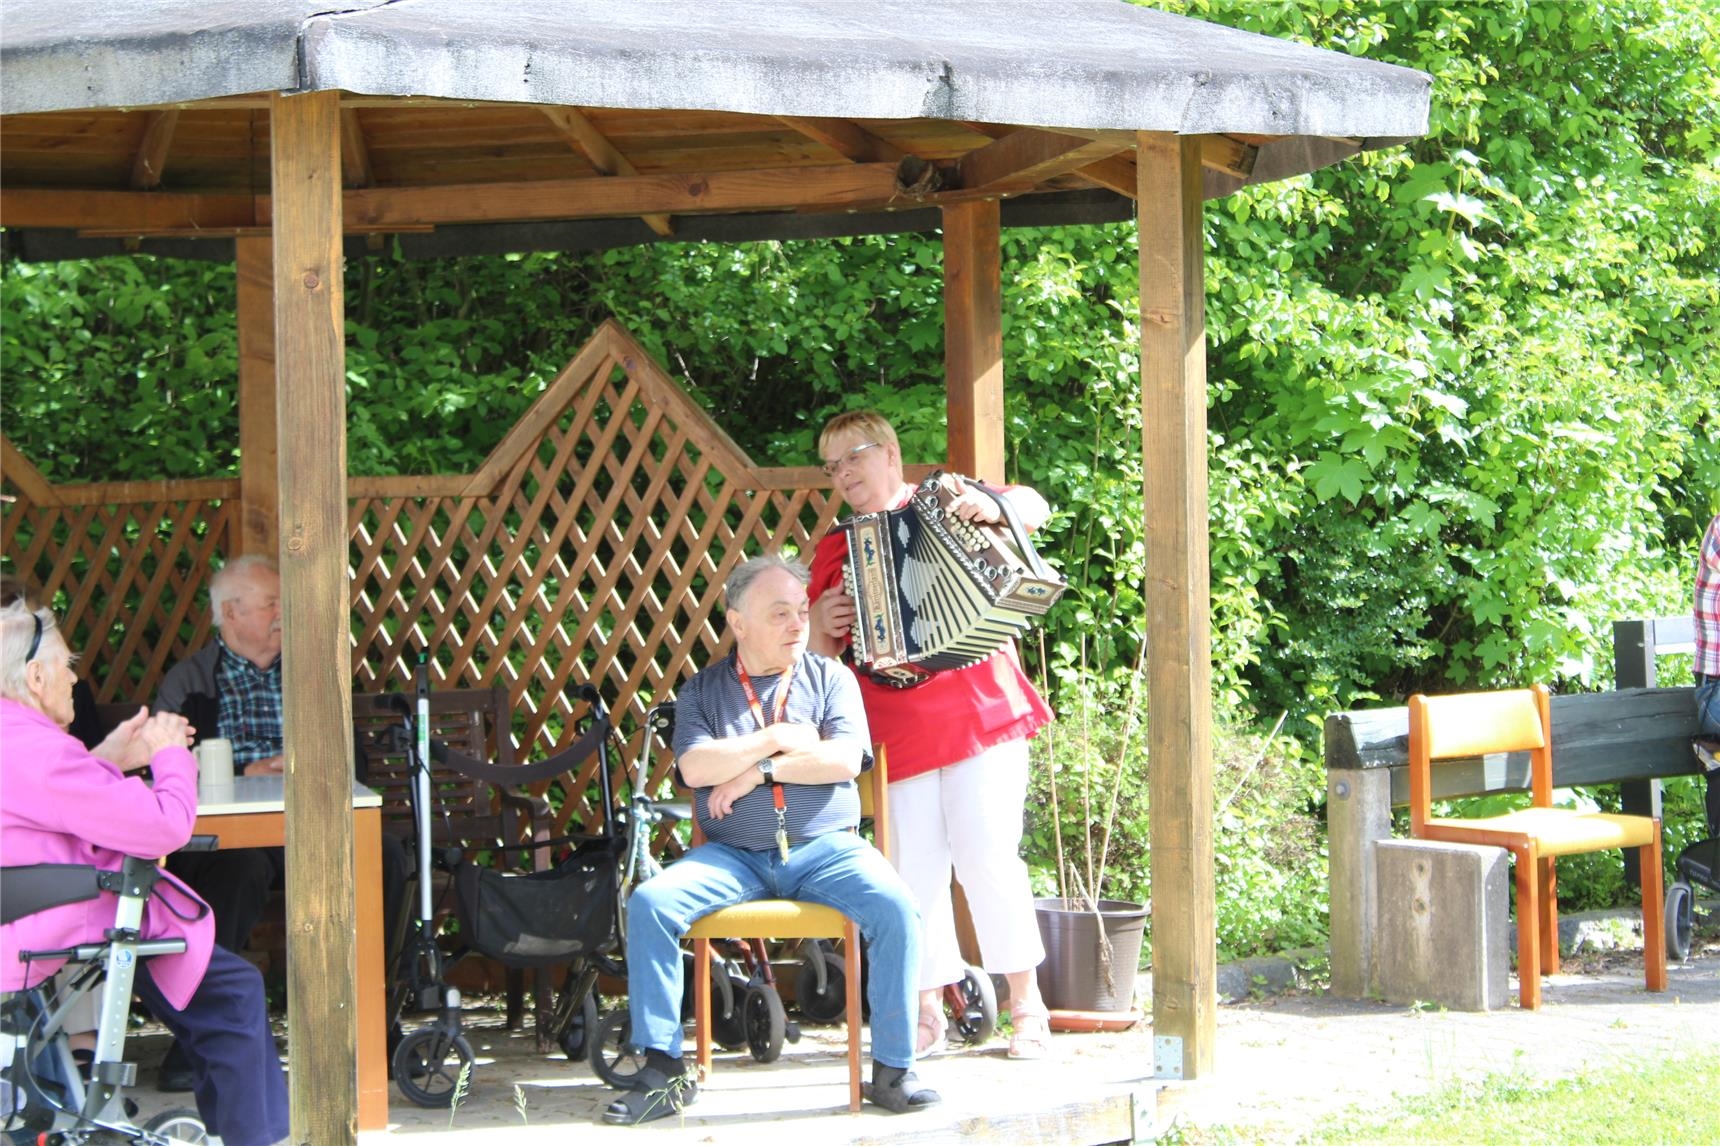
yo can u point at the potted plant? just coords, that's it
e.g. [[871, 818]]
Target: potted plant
[[1095, 792]]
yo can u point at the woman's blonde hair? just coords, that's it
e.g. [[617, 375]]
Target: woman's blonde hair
[[869, 424]]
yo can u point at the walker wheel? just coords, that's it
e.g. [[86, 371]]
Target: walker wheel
[[611, 1057], [972, 1003], [580, 1025], [766, 1022], [728, 1008], [1680, 920], [179, 1126], [432, 1068], [830, 1004]]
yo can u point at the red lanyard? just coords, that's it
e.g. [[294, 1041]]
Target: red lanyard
[[781, 706]]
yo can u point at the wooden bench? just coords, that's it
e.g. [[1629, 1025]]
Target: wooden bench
[[1629, 735]]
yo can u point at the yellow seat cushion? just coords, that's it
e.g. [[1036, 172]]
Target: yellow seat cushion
[[770, 918], [1564, 831]]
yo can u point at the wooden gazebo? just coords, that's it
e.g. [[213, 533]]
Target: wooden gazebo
[[284, 133]]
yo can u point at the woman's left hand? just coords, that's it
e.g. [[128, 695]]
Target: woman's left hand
[[124, 746]]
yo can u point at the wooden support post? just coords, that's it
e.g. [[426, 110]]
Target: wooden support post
[[973, 338], [316, 650], [1178, 595], [1633, 667], [973, 383], [259, 493]]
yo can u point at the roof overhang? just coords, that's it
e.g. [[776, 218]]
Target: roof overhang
[[1030, 101]]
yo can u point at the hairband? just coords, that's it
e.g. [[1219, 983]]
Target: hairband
[[36, 639]]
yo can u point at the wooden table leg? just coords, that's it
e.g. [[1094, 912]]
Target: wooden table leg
[[372, 1001]]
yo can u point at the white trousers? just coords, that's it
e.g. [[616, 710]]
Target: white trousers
[[967, 817]]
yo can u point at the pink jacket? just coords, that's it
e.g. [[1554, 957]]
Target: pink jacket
[[59, 804]]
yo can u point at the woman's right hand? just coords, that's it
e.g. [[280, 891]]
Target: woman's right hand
[[832, 617], [165, 730]]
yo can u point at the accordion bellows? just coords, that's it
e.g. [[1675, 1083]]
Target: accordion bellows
[[933, 592]]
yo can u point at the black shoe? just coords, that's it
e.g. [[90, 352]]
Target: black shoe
[[661, 1088], [174, 1075], [897, 1090]]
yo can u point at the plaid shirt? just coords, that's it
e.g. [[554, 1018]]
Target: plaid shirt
[[250, 707], [1707, 612]]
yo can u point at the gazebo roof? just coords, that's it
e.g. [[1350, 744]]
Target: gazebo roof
[[794, 115]]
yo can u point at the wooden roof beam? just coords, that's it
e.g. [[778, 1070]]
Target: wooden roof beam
[[354, 152], [1224, 153], [129, 212], [849, 186], [1030, 156], [845, 137], [1231, 156], [151, 158], [602, 154]]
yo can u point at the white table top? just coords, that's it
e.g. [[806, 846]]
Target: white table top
[[269, 794]]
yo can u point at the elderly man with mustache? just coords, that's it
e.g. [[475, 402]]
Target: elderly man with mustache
[[231, 689]]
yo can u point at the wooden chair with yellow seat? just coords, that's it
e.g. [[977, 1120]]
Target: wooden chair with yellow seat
[[1520, 720], [793, 919]]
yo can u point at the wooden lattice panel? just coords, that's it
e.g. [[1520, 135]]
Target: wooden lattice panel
[[590, 547], [127, 578]]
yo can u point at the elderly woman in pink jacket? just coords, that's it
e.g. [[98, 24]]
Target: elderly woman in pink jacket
[[64, 803]]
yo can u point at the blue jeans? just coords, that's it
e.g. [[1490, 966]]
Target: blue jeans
[[1708, 724], [839, 870]]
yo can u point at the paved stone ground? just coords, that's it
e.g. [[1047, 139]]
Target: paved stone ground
[[1284, 1064]]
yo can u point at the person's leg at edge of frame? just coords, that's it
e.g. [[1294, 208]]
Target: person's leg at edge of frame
[[844, 872], [984, 799], [920, 851], [240, 1090], [658, 914], [1708, 725]]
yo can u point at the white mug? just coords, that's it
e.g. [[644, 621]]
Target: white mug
[[215, 770]]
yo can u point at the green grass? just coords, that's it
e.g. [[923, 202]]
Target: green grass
[[1651, 1101]]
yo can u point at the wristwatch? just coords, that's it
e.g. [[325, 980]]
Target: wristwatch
[[767, 768]]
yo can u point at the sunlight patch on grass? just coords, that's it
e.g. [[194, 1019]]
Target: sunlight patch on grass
[[1668, 1099]]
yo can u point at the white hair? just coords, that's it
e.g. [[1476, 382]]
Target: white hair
[[747, 572], [229, 582], [17, 630]]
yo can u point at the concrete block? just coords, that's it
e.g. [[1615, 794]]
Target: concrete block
[[1358, 815], [1442, 934]]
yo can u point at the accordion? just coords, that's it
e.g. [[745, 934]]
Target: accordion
[[932, 591]]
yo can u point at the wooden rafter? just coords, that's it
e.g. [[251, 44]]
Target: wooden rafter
[[1116, 172], [354, 152], [845, 137], [1021, 159], [151, 158], [855, 186], [602, 154]]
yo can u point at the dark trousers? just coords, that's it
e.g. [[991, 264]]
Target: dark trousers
[[240, 1089], [236, 885]]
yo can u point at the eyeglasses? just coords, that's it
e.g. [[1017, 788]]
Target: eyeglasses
[[831, 468], [35, 639]]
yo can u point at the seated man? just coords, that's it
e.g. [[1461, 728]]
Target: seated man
[[770, 739], [232, 689]]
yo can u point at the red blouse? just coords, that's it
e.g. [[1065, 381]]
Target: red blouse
[[954, 715]]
